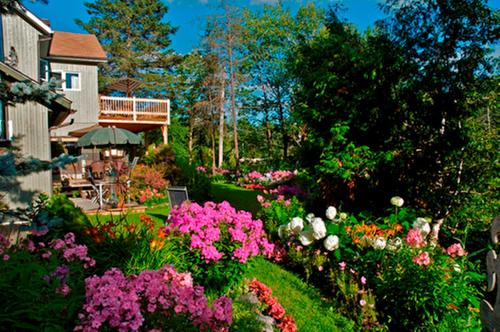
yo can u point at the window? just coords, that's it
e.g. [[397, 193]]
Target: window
[[44, 70], [66, 81]]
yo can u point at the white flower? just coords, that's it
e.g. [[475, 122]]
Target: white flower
[[422, 225], [394, 244], [457, 268], [318, 228], [331, 212], [296, 225], [343, 216], [283, 230], [331, 242], [397, 201], [306, 238], [379, 243], [310, 217]]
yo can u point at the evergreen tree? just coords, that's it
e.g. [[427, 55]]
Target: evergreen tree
[[136, 37]]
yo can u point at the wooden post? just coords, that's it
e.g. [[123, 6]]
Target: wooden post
[[164, 132], [490, 316]]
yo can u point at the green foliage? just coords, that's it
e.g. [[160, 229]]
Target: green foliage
[[385, 110], [198, 184], [136, 37], [240, 198], [29, 302], [280, 213], [440, 296]]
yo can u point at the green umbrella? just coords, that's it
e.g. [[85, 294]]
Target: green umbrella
[[109, 136]]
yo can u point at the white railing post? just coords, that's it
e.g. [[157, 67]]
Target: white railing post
[[168, 111], [134, 108]]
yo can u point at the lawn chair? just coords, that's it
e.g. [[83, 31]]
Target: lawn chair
[[177, 195]]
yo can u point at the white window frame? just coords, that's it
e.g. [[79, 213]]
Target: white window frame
[[63, 78], [47, 72]]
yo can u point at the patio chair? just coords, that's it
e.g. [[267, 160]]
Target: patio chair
[[177, 195]]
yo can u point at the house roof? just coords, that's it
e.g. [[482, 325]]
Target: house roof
[[76, 45]]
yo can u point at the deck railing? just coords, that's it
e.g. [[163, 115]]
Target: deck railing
[[134, 110]]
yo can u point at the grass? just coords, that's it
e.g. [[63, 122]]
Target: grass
[[158, 213], [240, 198], [299, 299]]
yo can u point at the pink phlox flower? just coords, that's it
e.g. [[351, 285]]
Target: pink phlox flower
[[422, 259], [414, 238], [455, 250]]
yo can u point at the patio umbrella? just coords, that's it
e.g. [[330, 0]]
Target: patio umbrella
[[109, 136]]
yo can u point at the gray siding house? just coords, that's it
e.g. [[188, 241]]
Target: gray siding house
[[28, 124]]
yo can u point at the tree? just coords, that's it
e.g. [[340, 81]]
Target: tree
[[136, 37], [270, 38], [385, 110]]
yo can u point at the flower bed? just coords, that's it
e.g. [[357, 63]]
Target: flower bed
[[399, 254]]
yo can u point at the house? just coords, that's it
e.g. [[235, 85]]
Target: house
[[20, 36], [31, 50]]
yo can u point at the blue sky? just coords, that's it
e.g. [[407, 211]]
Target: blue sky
[[188, 15]]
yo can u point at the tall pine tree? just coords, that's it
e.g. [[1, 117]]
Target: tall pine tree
[[136, 37]]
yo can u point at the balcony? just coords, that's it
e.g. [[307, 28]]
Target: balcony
[[135, 114]]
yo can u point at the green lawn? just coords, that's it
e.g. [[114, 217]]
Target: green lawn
[[158, 213], [299, 299], [240, 198]]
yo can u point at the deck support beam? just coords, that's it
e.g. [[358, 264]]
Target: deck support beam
[[164, 132]]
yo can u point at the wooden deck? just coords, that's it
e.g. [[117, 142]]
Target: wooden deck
[[120, 111]]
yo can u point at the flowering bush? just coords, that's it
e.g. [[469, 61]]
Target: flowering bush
[[399, 251], [273, 182], [154, 300], [218, 240], [148, 183], [272, 307], [41, 283]]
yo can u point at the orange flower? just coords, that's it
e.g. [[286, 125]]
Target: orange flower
[[356, 240], [398, 227], [472, 309], [162, 233], [451, 306], [156, 244]]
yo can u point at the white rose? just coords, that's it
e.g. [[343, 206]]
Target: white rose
[[422, 225], [296, 225], [310, 217], [306, 238], [331, 242], [379, 243], [318, 228], [457, 268], [331, 212], [394, 244], [397, 201], [283, 230]]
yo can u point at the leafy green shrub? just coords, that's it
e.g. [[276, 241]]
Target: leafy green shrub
[[42, 284]]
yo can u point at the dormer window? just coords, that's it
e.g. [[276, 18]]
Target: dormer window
[[67, 80]]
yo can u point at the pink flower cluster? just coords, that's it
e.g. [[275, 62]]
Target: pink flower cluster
[[280, 175], [4, 244], [284, 189], [456, 250], [201, 169], [414, 238], [72, 251], [422, 259], [60, 275], [219, 224], [273, 308], [124, 303], [253, 175]]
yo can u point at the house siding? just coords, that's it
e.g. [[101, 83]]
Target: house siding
[[29, 121], [24, 38], [85, 101]]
